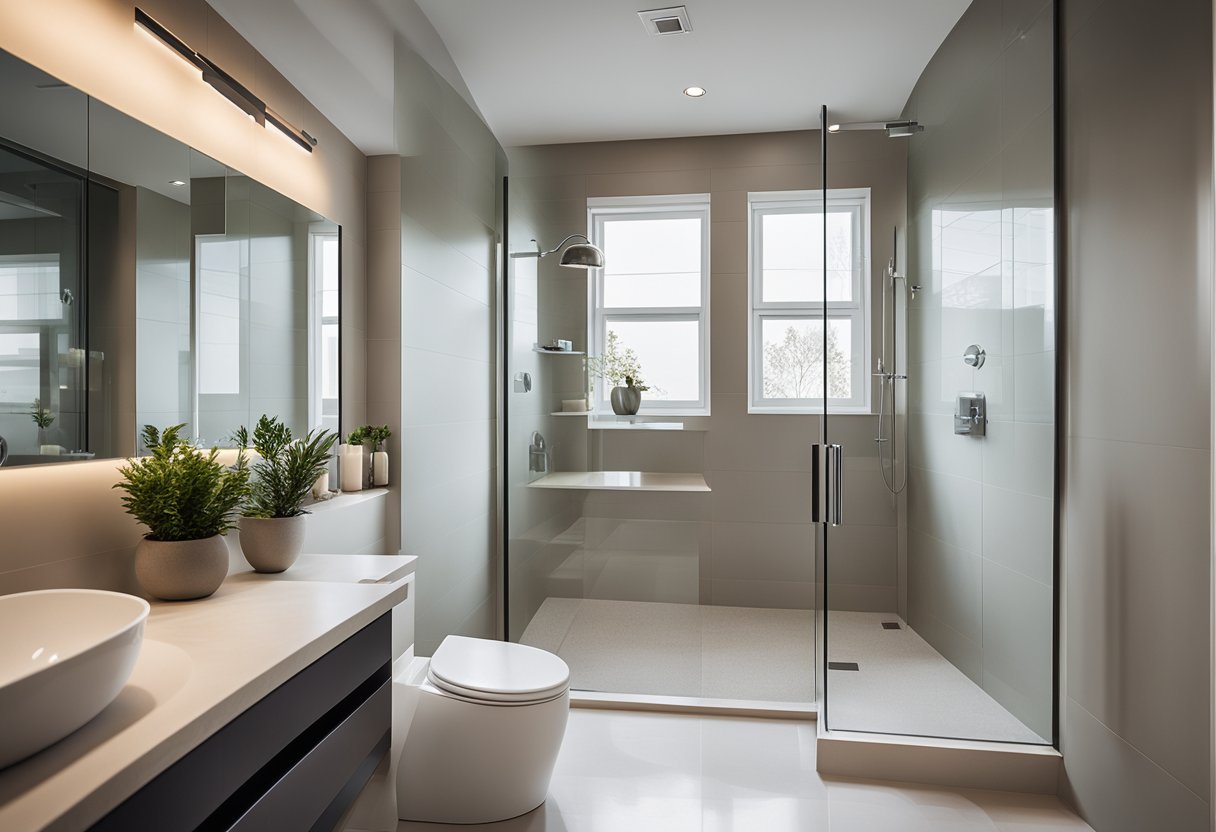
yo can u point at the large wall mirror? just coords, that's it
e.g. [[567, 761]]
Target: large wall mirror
[[142, 282]]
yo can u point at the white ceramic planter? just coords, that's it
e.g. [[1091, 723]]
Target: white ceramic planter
[[180, 570], [380, 468], [271, 544]]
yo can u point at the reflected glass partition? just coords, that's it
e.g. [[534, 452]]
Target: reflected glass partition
[[43, 371]]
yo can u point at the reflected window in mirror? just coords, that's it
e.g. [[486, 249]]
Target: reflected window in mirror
[[324, 273], [43, 374]]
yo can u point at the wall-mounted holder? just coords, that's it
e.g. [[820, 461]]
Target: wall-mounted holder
[[538, 455], [971, 415]]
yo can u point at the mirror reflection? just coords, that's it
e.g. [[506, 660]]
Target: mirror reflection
[[142, 282]]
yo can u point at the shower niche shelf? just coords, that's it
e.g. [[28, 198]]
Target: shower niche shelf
[[621, 481]]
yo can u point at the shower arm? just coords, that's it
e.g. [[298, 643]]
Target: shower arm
[[554, 250]]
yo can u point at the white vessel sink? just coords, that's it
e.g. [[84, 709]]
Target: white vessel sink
[[64, 655]]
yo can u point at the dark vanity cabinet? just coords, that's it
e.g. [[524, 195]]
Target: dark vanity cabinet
[[296, 760]]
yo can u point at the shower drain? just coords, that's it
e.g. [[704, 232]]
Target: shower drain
[[890, 625]]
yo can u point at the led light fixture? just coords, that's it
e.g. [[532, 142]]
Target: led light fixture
[[225, 84]]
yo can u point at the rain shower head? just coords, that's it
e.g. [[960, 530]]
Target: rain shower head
[[582, 255], [895, 129]]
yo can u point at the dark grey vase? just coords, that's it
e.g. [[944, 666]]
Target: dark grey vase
[[626, 400]]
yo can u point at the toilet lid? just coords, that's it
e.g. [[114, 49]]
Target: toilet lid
[[497, 671]]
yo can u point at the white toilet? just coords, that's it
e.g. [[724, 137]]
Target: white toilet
[[476, 730]]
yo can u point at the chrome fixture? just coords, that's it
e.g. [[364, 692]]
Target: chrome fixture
[[897, 129], [974, 356], [971, 415], [523, 382], [576, 256], [538, 455], [887, 378], [225, 84], [3, 450]]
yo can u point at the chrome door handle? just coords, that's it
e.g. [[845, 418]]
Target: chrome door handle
[[827, 480]]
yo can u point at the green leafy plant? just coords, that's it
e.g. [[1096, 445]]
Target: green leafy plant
[[179, 491], [373, 435], [287, 469], [42, 417], [617, 366]]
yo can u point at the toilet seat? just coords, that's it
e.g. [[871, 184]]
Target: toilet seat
[[497, 672]]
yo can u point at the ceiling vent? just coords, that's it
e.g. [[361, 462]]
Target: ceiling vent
[[673, 21]]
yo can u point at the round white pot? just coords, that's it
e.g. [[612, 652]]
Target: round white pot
[[271, 544], [180, 570]]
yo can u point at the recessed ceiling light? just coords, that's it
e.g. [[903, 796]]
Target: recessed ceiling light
[[177, 183], [694, 92]]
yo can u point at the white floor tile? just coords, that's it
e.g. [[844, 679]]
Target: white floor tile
[[637, 772]]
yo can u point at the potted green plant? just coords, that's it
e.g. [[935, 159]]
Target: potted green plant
[[188, 500], [622, 369], [272, 521], [373, 438], [43, 418]]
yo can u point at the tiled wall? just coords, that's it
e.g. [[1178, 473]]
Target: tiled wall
[[752, 538], [451, 169], [1136, 694], [63, 525], [980, 510]]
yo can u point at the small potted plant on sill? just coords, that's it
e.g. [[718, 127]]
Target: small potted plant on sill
[[272, 521], [621, 368], [373, 438], [188, 501], [43, 418]]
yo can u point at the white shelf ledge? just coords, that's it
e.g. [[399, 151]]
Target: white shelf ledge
[[582, 413], [543, 351], [621, 481]]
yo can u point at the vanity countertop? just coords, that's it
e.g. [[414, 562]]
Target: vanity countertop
[[202, 664]]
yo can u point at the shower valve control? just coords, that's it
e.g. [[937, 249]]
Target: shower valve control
[[971, 415]]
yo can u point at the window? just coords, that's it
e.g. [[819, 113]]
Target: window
[[219, 315], [324, 271], [786, 290], [652, 296]]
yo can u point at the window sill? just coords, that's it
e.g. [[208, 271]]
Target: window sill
[[802, 411]]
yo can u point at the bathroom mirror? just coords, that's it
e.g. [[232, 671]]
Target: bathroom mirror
[[142, 282]]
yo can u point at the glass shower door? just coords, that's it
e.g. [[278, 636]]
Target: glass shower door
[[939, 586]]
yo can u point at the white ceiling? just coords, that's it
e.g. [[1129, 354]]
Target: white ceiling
[[581, 70], [543, 71]]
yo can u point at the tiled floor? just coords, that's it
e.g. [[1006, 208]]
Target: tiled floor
[[648, 647], [636, 772], [904, 686]]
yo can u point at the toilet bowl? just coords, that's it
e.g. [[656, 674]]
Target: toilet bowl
[[476, 730]]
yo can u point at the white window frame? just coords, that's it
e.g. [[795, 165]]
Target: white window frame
[[678, 206], [318, 234], [857, 310]]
